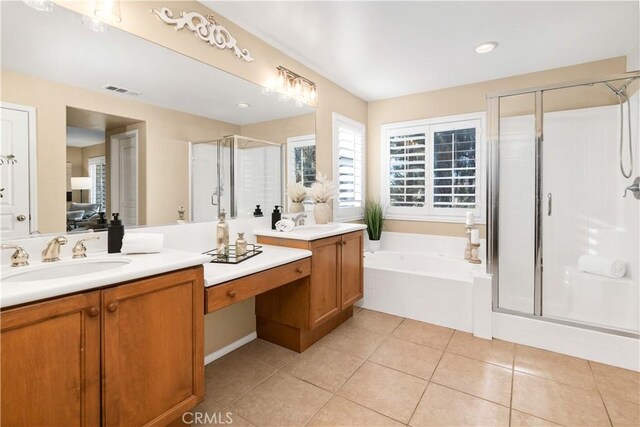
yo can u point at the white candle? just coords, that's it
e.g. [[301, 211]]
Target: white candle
[[475, 236], [469, 220]]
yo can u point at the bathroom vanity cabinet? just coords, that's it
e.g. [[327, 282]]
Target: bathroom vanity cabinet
[[300, 313], [130, 354]]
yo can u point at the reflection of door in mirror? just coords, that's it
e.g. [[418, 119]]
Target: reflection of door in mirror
[[103, 149], [15, 143], [124, 176]]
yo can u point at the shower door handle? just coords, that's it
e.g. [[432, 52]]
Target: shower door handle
[[213, 199], [548, 204]]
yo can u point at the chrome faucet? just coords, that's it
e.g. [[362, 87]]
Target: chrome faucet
[[20, 256], [634, 188], [52, 252], [299, 219]]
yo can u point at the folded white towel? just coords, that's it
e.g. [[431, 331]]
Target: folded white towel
[[602, 266], [142, 243], [285, 225]]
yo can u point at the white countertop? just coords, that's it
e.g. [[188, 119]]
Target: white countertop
[[312, 232], [271, 256], [141, 265]]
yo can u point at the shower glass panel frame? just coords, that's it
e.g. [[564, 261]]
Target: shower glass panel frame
[[493, 195]]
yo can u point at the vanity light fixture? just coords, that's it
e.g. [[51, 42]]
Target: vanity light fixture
[[107, 11], [486, 47], [243, 105], [289, 85], [39, 5]]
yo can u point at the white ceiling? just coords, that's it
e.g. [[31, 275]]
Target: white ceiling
[[79, 137], [383, 49], [55, 46]]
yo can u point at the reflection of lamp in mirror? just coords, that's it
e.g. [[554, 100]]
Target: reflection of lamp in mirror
[[81, 183]]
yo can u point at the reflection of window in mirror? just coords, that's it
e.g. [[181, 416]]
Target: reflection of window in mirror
[[98, 174], [301, 161], [301, 155]]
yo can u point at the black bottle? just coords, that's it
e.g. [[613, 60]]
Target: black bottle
[[257, 212], [276, 216], [115, 233], [101, 223]]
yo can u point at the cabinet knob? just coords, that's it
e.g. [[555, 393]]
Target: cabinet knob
[[299, 270], [112, 307], [93, 311], [232, 294], [344, 242]]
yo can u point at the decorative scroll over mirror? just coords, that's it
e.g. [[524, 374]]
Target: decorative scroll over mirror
[[135, 119]]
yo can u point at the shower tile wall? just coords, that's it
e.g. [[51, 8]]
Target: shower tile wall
[[589, 216]]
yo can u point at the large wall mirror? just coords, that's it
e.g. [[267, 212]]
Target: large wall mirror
[[125, 125]]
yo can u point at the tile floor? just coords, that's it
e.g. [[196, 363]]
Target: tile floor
[[382, 370]]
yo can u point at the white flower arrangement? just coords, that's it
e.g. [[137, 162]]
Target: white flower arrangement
[[322, 190], [297, 192]]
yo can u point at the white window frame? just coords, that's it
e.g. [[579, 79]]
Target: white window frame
[[429, 126], [355, 213], [97, 160], [293, 143]]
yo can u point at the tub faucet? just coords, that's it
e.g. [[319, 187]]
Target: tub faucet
[[299, 219], [52, 252]]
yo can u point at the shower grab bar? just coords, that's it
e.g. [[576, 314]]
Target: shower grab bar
[[548, 204]]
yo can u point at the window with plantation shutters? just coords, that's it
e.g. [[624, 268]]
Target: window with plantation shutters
[[98, 175], [407, 168], [432, 168], [348, 170]]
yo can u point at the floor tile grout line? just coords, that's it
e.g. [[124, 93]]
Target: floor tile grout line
[[511, 394], [604, 404], [429, 380]]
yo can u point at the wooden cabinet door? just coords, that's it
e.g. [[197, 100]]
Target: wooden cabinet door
[[50, 361], [352, 268], [325, 280], [153, 349]]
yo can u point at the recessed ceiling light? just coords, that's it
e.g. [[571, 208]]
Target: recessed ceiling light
[[243, 105], [486, 47]]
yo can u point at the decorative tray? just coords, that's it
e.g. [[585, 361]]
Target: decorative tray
[[231, 257]]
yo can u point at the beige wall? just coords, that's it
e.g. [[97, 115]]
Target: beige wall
[[163, 160], [467, 99], [279, 130], [89, 152]]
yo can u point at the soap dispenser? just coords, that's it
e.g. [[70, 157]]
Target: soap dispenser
[[115, 233], [222, 236], [276, 216]]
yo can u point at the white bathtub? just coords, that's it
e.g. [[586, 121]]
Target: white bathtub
[[430, 286]]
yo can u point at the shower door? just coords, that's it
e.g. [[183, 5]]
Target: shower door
[[584, 212], [555, 195]]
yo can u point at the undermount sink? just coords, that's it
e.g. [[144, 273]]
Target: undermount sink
[[64, 269]]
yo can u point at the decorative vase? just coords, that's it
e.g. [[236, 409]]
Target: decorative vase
[[374, 245], [322, 213], [296, 207]]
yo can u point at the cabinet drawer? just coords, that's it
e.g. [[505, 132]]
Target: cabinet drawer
[[237, 290]]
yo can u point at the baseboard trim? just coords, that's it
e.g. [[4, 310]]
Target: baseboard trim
[[229, 348]]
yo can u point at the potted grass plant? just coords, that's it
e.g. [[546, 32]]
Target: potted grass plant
[[374, 219]]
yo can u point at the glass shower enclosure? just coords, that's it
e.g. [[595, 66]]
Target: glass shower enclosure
[[559, 162]]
